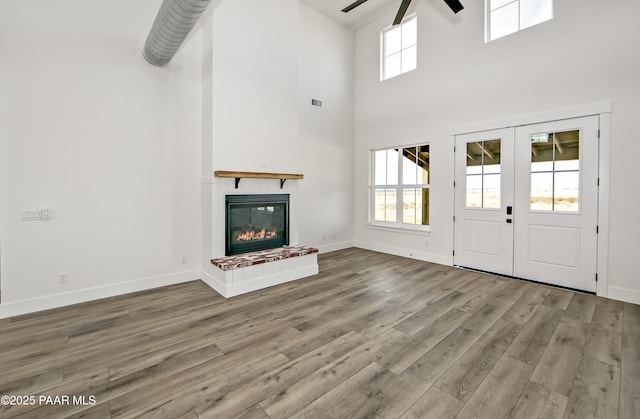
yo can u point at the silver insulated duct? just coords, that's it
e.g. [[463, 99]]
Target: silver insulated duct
[[173, 23]]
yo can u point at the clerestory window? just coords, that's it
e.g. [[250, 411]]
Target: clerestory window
[[504, 17], [399, 48]]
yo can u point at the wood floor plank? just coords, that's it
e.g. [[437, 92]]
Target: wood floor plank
[[535, 336], [434, 403], [630, 364], [538, 402], [182, 393], [304, 391], [487, 289], [430, 313], [595, 392], [559, 363], [299, 379], [500, 392], [581, 307], [604, 345], [400, 393], [558, 298], [607, 317], [526, 306], [372, 335], [350, 398], [468, 373]]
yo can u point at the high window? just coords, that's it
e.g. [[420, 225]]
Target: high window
[[504, 17], [398, 48], [400, 187]]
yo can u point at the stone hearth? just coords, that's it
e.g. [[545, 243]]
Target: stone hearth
[[239, 274]]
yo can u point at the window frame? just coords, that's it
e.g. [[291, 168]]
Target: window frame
[[487, 19], [399, 187], [383, 54]]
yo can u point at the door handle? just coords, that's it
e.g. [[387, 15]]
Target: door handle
[[509, 220]]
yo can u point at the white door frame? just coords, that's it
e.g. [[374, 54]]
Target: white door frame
[[601, 109]]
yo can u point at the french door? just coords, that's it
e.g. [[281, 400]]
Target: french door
[[526, 202]]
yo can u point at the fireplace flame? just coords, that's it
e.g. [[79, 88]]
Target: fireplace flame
[[257, 235]]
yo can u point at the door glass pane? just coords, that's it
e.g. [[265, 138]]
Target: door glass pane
[[483, 174], [567, 165], [491, 155], [542, 191], [491, 191], [566, 190], [474, 170], [542, 166], [567, 149], [474, 191], [555, 171]]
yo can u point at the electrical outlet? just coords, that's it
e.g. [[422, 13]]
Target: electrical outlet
[[63, 277]]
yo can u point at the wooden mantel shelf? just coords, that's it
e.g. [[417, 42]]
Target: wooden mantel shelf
[[258, 175]]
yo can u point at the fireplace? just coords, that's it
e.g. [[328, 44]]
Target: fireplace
[[256, 222]]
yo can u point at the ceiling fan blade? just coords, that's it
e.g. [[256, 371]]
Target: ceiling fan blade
[[401, 11], [353, 5], [455, 5]]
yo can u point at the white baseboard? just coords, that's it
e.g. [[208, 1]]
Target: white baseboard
[[408, 253], [624, 294], [47, 302], [332, 247]]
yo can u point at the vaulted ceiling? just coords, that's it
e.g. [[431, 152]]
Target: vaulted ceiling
[[358, 17]]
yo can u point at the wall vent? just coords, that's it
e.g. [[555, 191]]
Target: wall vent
[[317, 103]]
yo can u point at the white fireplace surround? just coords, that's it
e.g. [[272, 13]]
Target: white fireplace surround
[[221, 187], [241, 280]]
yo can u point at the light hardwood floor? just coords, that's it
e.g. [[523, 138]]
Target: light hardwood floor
[[371, 336]]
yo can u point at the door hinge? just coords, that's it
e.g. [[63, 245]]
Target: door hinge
[[454, 183], [454, 149], [454, 218], [453, 252], [598, 229], [598, 133], [596, 277], [598, 182]]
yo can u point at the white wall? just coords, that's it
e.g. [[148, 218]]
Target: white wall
[[586, 54], [326, 72], [108, 142], [263, 74]]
